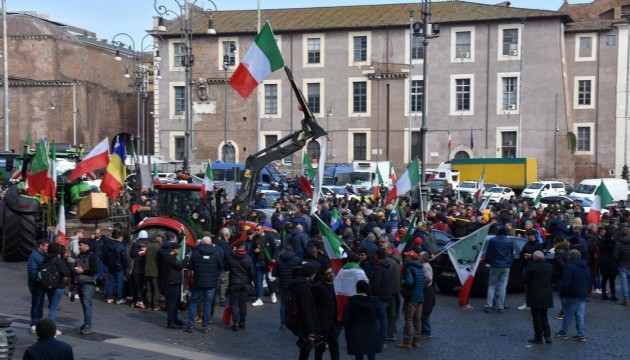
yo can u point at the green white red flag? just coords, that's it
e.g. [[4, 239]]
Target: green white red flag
[[262, 59], [61, 222], [379, 181], [332, 244], [465, 255], [156, 178], [208, 181], [37, 180], [407, 236], [309, 170], [602, 198], [409, 179]]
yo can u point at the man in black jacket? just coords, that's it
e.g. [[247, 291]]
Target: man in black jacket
[[172, 270], [308, 325], [241, 270], [206, 262], [326, 305], [381, 283]]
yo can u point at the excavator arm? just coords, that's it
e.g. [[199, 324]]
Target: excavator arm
[[276, 151]]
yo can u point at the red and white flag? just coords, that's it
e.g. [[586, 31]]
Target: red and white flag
[[345, 285], [98, 158], [61, 223]]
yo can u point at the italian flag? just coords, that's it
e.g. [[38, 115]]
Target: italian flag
[[309, 171], [537, 199], [392, 172], [602, 198], [262, 59], [405, 239], [409, 179], [379, 181], [345, 285], [156, 178], [480, 189], [38, 178], [465, 255], [332, 244], [61, 223], [96, 159], [208, 181], [335, 221]]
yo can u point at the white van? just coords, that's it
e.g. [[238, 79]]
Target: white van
[[618, 189], [544, 188]]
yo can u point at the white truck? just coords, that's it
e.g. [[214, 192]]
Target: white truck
[[365, 174], [618, 189]]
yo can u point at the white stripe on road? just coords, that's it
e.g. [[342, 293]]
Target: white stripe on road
[[164, 349]]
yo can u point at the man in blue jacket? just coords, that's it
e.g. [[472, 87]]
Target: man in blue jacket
[[499, 255], [35, 261], [574, 289], [413, 276], [115, 258], [206, 262]]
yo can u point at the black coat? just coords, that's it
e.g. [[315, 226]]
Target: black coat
[[286, 263], [241, 269], [381, 281], [49, 349], [326, 305], [206, 262], [360, 320], [537, 279], [172, 268], [607, 261], [308, 323]]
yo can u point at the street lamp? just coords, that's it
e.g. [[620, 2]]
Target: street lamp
[[624, 171], [226, 65], [188, 59], [141, 73], [426, 31], [377, 76]]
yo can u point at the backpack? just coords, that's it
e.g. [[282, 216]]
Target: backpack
[[48, 277], [292, 311]]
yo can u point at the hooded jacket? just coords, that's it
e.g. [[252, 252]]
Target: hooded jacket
[[413, 273], [206, 262], [114, 255], [381, 280], [622, 252], [287, 261], [360, 320], [576, 280], [241, 269]]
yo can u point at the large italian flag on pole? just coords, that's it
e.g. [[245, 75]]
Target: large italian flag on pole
[[409, 179], [37, 180], [602, 198], [465, 255], [262, 59], [208, 181], [332, 244]]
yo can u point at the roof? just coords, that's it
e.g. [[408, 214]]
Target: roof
[[594, 25], [355, 17], [23, 25]]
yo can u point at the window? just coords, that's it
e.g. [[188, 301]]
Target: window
[[360, 48], [417, 91], [583, 138], [270, 139], [585, 47], [313, 97], [462, 44], [229, 153], [271, 99], [584, 92], [314, 50], [510, 93], [462, 94], [510, 42], [416, 149], [610, 40], [229, 52], [313, 150], [417, 48], [359, 97], [179, 147], [508, 144], [180, 100], [359, 145], [178, 54]]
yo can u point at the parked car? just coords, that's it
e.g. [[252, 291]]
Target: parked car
[[439, 188], [498, 194], [467, 188], [544, 188], [334, 191], [445, 276], [563, 200]]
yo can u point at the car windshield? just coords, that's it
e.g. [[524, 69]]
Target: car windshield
[[468, 185], [585, 189], [436, 184], [339, 191], [495, 190], [535, 186]]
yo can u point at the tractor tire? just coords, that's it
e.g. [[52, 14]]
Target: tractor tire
[[18, 235]]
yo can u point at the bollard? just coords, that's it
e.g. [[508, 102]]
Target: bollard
[[7, 339]]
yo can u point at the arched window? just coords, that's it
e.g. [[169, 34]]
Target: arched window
[[313, 150], [229, 153], [462, 155]]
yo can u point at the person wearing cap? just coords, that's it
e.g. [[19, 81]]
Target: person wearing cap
[[413, 277], [308, 326], [172, 270], [499, 256], [35, 260], [85, 270], [47, 346]]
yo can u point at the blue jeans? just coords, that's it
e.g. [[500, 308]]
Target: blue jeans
[[86, 294], [624, 278], [573, 307], [115, 278], [37, 303], [497, 284], [262, 271], [284, 294], [208, 296], [383, 305], [54, 298]]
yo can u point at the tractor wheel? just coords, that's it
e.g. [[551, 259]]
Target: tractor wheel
[[18, 235]]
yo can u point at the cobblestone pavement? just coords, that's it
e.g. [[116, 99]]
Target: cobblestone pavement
[[122, 332]]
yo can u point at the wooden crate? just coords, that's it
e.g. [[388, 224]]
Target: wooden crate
[[93, 207]]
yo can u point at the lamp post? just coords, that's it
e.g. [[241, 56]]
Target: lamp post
[[377, 76], [226, 65], [141, 73], [624, 171], [183, 14], [426, 31]]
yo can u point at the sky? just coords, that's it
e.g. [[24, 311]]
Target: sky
[[107, 18]]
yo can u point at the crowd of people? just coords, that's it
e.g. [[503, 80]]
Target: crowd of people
[[381, 280]]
